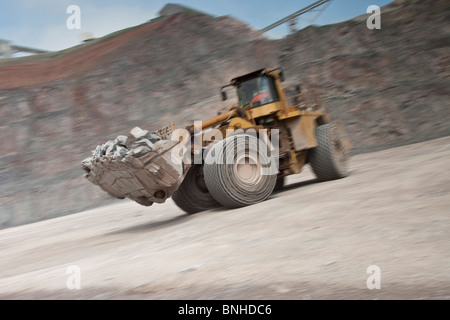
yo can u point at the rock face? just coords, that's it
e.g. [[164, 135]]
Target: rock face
[[389, 87], [172, 8]]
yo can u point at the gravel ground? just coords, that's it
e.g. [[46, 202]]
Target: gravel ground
[[313, 240]]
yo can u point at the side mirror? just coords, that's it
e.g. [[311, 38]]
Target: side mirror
[[281, 75], [224, 95]]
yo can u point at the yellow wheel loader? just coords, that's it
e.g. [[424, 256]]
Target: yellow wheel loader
[[235, 159]]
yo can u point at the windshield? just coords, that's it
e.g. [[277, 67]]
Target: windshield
[[258, 91]]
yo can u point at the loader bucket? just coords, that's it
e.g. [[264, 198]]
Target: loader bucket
[[145, 177]]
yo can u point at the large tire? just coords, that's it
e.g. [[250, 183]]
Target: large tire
[[237, 174], [193, 196], [329, 160], [280, 183]]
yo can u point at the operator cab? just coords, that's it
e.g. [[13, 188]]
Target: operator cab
[[256, 88], [259, 92]]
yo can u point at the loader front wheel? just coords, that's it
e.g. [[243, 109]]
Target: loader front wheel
[[280, 183], [239, 174], [193, 196], [329, 160]]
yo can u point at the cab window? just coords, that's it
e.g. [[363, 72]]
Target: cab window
[[258, 91]]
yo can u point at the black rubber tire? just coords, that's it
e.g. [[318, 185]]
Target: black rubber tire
[[234, 185], [192, 196], [280, 183], [329, 160]]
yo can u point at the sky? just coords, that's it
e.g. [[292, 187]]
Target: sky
[[41, 24]]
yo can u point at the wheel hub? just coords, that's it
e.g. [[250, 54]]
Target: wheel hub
[[247, 169]]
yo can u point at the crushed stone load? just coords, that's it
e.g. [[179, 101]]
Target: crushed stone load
[[137, 166], [138, 143]]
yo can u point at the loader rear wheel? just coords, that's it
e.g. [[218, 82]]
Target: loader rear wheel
[[193, 196], [237, 174], [329, 159]]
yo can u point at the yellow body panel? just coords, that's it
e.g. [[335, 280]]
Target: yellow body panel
[[302, 131], [265, 110], [240, 123]]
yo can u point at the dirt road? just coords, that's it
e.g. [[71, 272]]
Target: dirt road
[[311, 241]]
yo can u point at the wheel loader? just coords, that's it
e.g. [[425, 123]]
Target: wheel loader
[[235, 159]]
